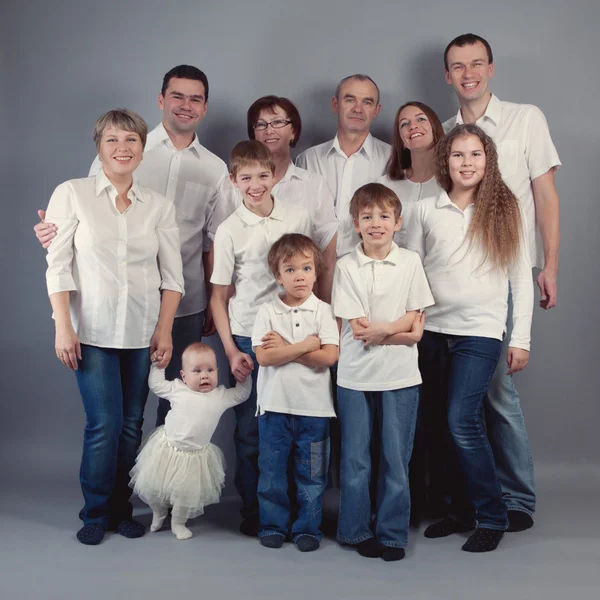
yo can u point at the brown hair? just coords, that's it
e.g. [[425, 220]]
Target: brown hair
[[269, 103], [400, 159], [292, 244], [250, 152], [496, 225], [120, 118], [374, 194], [196, 348]]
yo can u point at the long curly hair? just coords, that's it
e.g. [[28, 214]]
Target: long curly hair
[[400, 158], [496, 227]]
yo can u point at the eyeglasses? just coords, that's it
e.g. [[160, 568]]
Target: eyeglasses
[[275, 124]]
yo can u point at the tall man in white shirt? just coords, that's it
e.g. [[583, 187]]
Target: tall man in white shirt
[[527, 159], [354, 157], [177, 166]]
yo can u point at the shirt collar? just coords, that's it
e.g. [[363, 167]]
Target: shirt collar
[[366, 148], [310, 304], [293, 172], [103, 183], [159, 135], [393, 257], [492, 112], [443, 199], [251, 218]]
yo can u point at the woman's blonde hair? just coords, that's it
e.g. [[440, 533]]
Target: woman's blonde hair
[[496, 227], [120, 118]]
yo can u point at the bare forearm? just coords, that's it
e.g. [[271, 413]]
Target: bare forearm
[[401, 339], [325, 357], [169, 301], [547, 212], [274, 357], [60, 302], [327, 271], [403, 324], [218, 305]]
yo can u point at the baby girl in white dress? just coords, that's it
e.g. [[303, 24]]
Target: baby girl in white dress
[[178, 467]]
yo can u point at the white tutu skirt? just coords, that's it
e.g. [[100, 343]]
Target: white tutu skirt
[[185, 480]]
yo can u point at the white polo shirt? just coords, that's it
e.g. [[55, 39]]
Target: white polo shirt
[[297, 187], [295, 389], [469, 299], [242, 243], [344, 175], [191, 179], [114, 264], [380, 290], [409, 192], [525, 151]]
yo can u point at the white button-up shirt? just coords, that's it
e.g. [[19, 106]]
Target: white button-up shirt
[[379, 290], [242, 243], [194, 416], [344, 175], [470, 299], [409, 192], [297, 187], [191, 179], [114, 264], [525, 151], [295, 389]]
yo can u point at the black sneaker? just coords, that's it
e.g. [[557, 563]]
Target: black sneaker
[[130, 529], [91, 534], [307, 543]]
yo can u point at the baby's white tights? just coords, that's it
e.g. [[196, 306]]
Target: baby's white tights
[[178, 527]]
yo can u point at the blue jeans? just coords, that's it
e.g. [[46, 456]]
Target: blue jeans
[[245, 438], [186, 330], [509, 441], [306, 441], [464, 366], [113, 384], [394, 414]]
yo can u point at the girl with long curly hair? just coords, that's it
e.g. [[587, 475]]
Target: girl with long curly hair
[[470, 241]]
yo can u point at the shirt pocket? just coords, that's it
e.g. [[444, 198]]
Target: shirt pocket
[[508, 157], [192, 206]]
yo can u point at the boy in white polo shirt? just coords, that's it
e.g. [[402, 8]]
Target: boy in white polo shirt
[[379, 293], [241, 245], [296, 340]]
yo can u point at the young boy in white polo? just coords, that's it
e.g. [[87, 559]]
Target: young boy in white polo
[[241, 245], [296, 340], [380, 291]]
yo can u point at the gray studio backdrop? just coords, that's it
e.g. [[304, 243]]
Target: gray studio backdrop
[[65, 62]]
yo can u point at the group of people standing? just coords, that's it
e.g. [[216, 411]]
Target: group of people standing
[[443, 222]]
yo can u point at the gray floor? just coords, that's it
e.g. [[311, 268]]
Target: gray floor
[[40, 558]]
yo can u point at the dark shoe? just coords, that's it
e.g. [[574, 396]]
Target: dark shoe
[[91, 534], [130, 529], [272, 541], [392, 554], [307, 543], [483, 540], [249, 527], [446, 527], [370, 548], [519, 521]]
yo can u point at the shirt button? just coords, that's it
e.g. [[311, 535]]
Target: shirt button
[[297, 324], [295, 310]]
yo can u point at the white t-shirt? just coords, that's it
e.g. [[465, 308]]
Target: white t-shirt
[[194, 416], [298, 188], [469, 299], [409, 192], [114, 264], [380, 290], [344, 175], [293, 388], [525, 151], [191, 180], [242, 243]]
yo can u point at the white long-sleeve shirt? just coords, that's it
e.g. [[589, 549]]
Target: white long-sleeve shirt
[[469, 299], [194, 416], [191, 179], [114, 264]]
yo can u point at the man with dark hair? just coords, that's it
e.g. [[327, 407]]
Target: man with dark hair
[[354, 157], [527, 159], [176, 165]]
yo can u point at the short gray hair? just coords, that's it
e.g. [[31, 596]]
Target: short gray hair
[[358, 77], [121, 118]]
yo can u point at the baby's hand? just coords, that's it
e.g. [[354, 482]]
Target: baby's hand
[[273, 340], [154, 357]]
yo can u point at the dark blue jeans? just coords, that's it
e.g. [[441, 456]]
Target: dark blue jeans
[[186, 331], [113, 384], [458, 374], [393, 414], [245, 438], [306, 440]]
